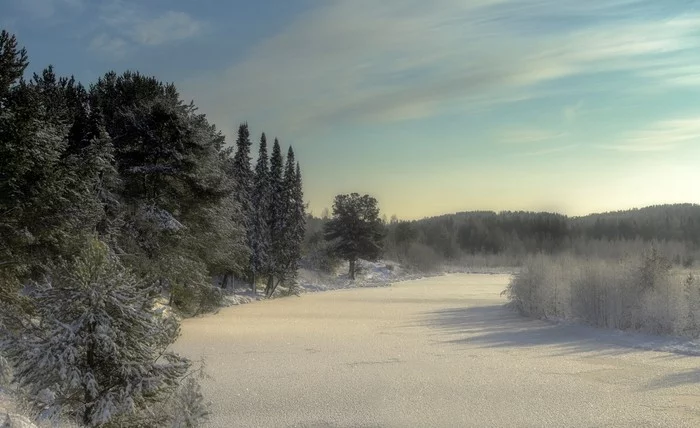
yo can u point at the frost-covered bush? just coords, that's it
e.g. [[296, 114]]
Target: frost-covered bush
[[642, 293], [422, 258], [98, 352]]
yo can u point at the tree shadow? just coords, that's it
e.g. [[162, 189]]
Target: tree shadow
[[688, 377], [496, 326]]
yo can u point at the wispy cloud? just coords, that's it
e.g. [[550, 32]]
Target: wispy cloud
[[517, 136], [571, 112], [169, 27], [548, 151], [661, 136], [45, 9], [127, 25], [356, 61], [115, 47]]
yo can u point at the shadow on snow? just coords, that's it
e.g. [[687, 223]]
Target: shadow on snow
[[496, 326]]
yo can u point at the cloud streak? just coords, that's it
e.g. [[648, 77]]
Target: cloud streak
[[356, 61], [526, 136], [46, 9], [664, 135], [127, 26]]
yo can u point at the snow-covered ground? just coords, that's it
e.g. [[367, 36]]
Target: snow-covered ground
[[10, 417], [442, 351], [369, 274]]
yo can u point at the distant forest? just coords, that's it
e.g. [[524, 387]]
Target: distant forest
[[673, 229]]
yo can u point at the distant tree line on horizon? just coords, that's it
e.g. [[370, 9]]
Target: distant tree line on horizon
[[451, 237]]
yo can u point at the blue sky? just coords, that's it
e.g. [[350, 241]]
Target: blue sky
[[432, 107]]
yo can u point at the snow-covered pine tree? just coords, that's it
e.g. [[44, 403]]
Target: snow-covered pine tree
[[260, 242], [13, 62], [296, 222], [98, 353], [276, 217], [243, 176], [299, 211], [355, 230]]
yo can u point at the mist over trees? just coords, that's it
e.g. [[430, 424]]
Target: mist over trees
[[123, 187], [516, 234]]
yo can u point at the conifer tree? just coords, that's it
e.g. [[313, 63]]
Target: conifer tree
[[101, 353], [356, 231], [13, 62], [243, 176], [260, 242], [276, 216], [297, 222]]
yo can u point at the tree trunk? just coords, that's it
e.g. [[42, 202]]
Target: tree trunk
[[270, 283], [351, 273], [253, 288], [274, 287], [224, 282]]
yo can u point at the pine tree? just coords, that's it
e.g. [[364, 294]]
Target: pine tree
[[300, 212], [290, 246], [101, 352], [260, 242], [292, 228], [244, 184], [297, 221], [276, 217], [13, 62], [355, 230]]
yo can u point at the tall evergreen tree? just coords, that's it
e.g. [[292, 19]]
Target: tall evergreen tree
[[243, 175], [356, 231], [101, 354], [260, 242], [298, 218], [13, 62], [276, 216]]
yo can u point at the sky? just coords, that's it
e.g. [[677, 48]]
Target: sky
[[432, 107]]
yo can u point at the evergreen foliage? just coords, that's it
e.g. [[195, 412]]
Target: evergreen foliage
[[260, 225], [99, 351], [128, 167], [355, 229]]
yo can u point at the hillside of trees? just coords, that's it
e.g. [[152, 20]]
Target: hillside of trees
[[506, 238], [112, 196], [520, 233]]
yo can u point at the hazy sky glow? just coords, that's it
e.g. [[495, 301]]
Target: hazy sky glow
[[431, 106]]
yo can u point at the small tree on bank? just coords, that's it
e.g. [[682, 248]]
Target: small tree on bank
[[99, 353], [355, 229]]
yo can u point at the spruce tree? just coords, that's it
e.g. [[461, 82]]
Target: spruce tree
[[355, 230], [13, 62], [243, 175], [276, 217], [289, 245], [100, 353], [260, 242], [297, 222]]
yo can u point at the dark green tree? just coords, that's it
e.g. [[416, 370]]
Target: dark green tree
[[13, 62], [355, 229], [101, 354], [243, 176], [260, 238], [276, 217]]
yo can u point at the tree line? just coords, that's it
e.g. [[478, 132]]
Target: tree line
[[508, 235], [110, 196], [518, 233]]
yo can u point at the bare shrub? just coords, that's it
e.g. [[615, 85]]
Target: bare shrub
[[642, 293], [422, 258]]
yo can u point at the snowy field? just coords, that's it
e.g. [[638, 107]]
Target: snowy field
[[440, 351]]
